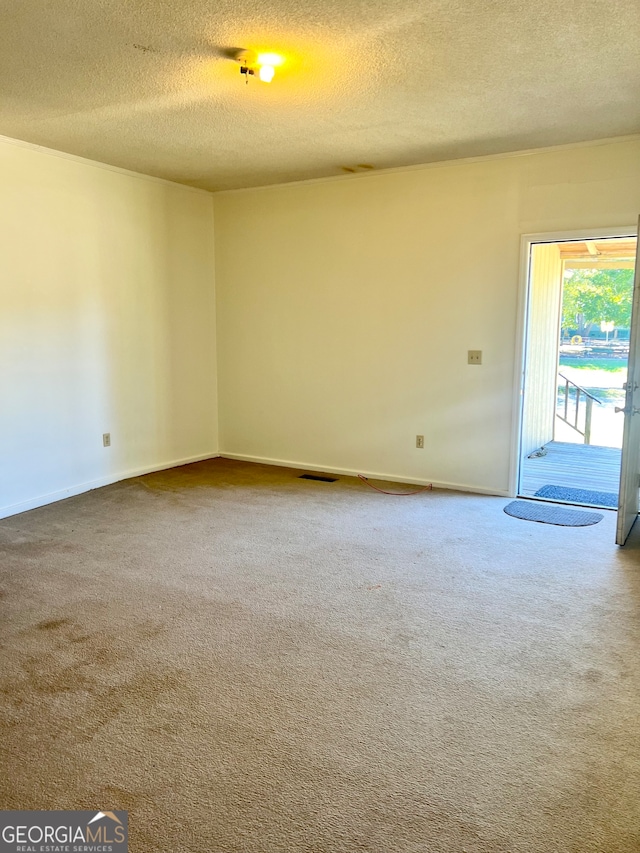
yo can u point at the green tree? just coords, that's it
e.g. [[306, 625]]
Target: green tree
[[595, 296]]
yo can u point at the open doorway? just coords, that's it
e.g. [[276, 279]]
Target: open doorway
[[579, 302]]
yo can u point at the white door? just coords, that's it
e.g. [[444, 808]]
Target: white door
[[630, 468]]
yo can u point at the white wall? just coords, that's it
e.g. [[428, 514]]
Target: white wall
[[346, 309], [541, 361], [107, 324]]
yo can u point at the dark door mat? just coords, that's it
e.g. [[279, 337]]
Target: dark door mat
[[578, 496], [552, 514]]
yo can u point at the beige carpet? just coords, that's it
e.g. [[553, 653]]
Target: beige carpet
[[251, 662]]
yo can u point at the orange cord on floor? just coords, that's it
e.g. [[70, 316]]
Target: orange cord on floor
[[428, 488]]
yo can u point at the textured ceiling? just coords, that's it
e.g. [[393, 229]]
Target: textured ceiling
[[145, 85]]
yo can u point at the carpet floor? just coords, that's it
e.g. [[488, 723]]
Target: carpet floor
[[253, 663]]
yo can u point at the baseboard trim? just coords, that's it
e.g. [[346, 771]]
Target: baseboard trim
[[374, 475], [78, 489]]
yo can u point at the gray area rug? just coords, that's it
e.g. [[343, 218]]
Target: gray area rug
[[552, 514], [578, 496]]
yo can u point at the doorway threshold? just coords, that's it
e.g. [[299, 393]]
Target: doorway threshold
[[567, 503]]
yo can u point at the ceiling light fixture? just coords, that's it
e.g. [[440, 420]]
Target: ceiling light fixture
[[262, 65]]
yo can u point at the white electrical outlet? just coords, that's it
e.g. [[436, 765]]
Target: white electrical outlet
[[420, 441], [106, 439], [475, 356]]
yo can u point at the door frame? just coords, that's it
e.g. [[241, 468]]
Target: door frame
[[628, 503], [526, 241]]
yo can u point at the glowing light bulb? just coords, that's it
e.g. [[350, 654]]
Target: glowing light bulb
[[266, 73], [273, 59]]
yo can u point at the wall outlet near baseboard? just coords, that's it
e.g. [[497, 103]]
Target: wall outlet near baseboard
[[106, 439], [474, 356], [420, 441]]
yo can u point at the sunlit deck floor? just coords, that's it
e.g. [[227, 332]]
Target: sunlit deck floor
[[576, 466]]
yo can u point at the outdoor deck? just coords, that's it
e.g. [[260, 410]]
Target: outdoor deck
[[576, 466]]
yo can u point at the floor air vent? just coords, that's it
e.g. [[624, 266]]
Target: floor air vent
[[317, 477]]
